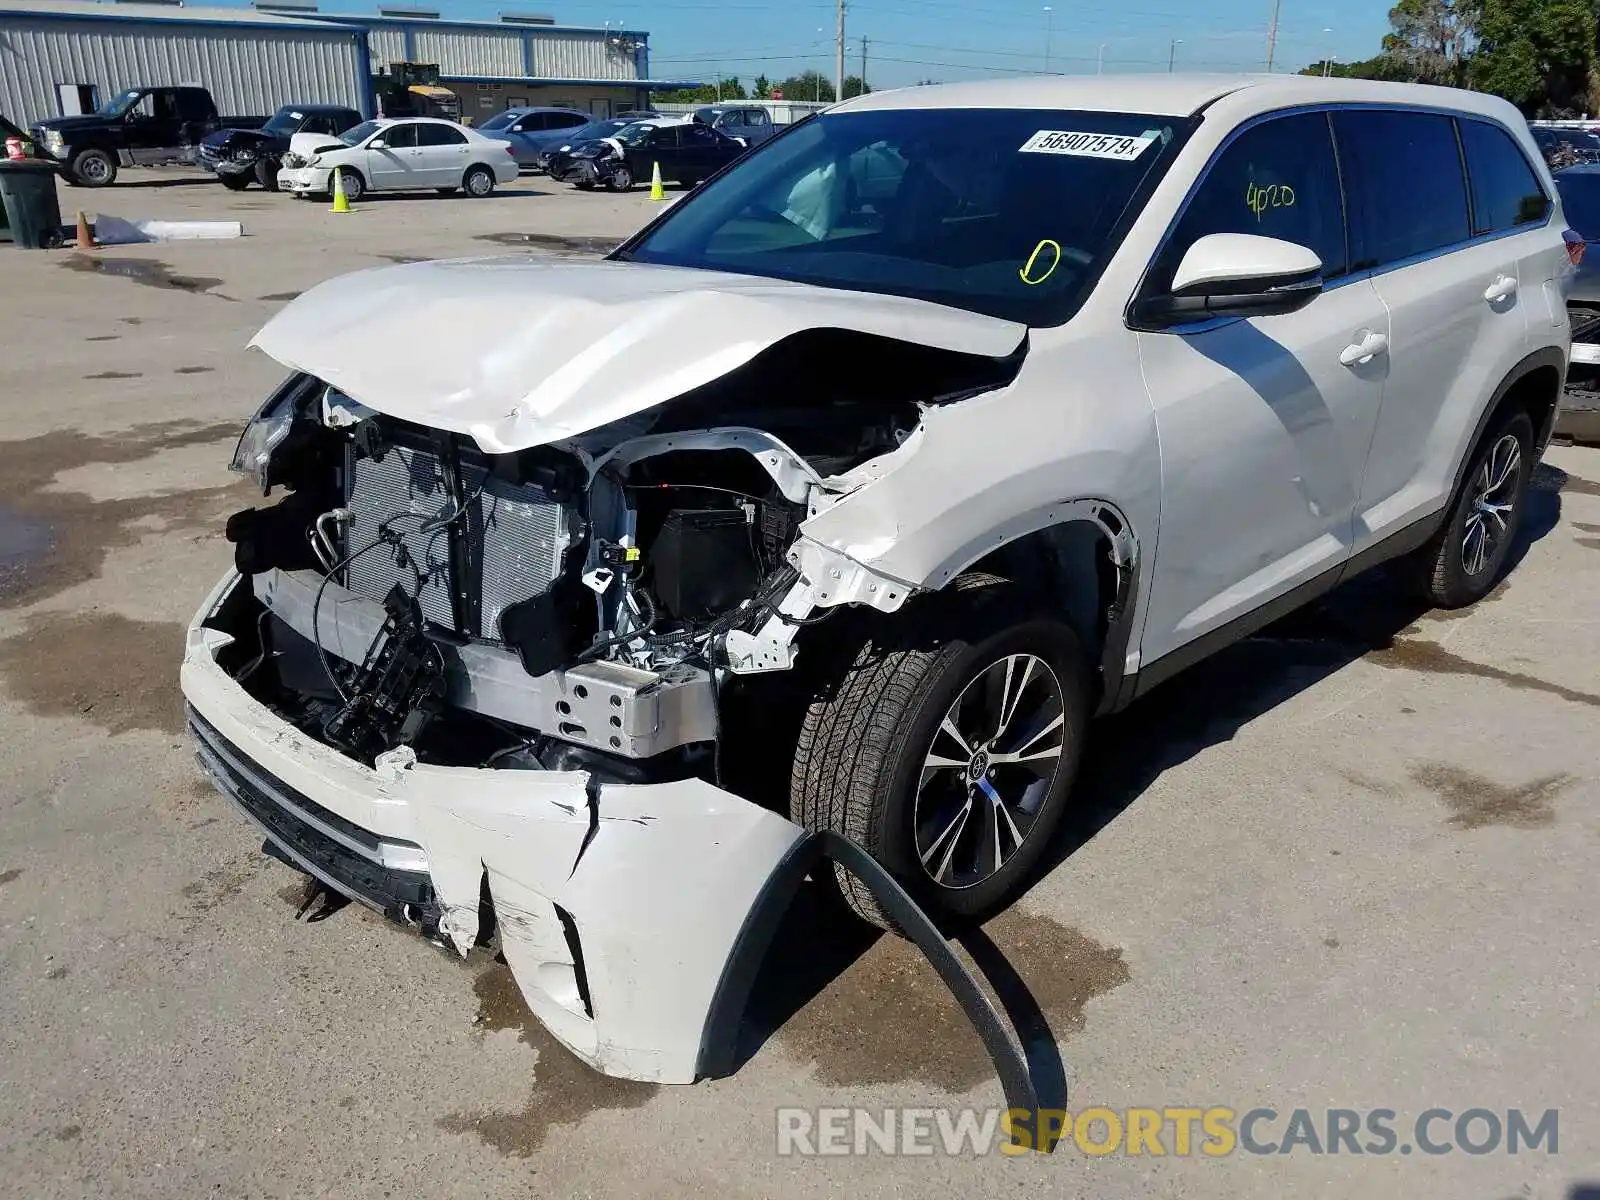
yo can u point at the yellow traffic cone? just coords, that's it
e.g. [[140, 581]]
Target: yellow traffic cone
[[657, 190], [340, 204]]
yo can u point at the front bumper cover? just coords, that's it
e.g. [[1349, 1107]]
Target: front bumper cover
[[633, 917]]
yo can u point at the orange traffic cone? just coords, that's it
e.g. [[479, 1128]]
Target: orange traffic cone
[[85, 234]]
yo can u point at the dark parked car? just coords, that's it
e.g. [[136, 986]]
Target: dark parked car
[[238, 156], [686, 152], [750, 124], [532, 131], [1562, 146], [557, 160], [1579, 418], [141, 126]]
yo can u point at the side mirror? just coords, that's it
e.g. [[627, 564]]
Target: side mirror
[[1236, 275], [377, 144]]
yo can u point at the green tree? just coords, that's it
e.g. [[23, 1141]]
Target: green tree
[[1380, 67], [706, 93], [762, 88], [1430, 39], [1535, 53], [853, 86], [808, 85]]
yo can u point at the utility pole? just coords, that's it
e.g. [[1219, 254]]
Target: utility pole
[[1172, 54], [838, 62], [863, 66], [1272, 36], [1100, 60], [1049, 23]]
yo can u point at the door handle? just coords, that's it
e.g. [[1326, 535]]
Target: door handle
[[1502, 287], [1365, 350]]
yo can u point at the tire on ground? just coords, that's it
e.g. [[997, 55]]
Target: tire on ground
[[867, 730], [1436, 571]]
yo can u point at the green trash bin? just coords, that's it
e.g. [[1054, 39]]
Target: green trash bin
[[28, 187]]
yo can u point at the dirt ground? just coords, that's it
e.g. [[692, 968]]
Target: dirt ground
[[1349, 863]]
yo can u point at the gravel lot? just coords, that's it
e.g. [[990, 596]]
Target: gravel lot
[[1349, 863]]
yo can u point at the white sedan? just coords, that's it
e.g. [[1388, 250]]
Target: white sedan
[[397, 155]]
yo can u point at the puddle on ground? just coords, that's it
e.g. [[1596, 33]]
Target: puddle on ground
[[10, 876], [1475, 801], [1418, 655], [104, 337], [53, 540], [279, 296], [556, 243], [401, 259], [148, 271], [1577, 485], [890, 1019], [116, 375], [192, 370], [565, 1089], [106, 668]]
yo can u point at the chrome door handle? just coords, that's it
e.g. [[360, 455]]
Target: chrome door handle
[[1502, 287], [1365, 350]]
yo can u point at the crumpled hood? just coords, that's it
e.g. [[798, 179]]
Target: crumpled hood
[[517, 352], [307, 145]]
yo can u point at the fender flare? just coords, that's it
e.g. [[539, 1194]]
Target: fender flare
[[1545, 356]]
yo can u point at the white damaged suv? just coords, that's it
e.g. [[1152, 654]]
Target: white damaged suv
[[843, 495]]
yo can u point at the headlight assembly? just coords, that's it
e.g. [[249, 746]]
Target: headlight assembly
[[267, 431]]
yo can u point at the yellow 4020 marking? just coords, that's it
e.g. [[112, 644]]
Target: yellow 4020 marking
[[1027, 274], [1259, 199]]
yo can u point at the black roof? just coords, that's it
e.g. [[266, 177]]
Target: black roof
[[319, 108]]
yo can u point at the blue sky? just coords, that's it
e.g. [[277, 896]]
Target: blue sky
[[946, 40]]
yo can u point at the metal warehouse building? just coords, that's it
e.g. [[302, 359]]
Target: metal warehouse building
[[251, 61], [254, 61]]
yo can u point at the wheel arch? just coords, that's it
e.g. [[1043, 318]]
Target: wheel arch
[[1533, 385]]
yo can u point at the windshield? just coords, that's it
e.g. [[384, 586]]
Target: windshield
[[592, 131], [1006, 212], [120, 105], [284, 122], [1580, 203], [357, 134], [634, 134], [500, 120]]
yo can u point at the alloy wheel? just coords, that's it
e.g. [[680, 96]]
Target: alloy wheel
[[988, 770], [1494, 493]]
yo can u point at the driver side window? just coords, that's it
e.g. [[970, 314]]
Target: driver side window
[[1278, 179], [399, 137]]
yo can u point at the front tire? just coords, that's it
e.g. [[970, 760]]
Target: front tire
[[1467, 557], [235, 183], [621, 180], [947, 748], [354, 186], [478, 182], [93, 168]]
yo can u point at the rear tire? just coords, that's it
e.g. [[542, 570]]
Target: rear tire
[[478, 182], [1467, 557], [877, 762]]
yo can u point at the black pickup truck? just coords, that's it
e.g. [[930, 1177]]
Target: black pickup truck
[[237, 156], [140, 127]]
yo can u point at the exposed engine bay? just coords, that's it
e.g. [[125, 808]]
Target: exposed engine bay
[[575, 605]]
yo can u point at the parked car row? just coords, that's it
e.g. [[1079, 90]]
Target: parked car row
[[686, 151]]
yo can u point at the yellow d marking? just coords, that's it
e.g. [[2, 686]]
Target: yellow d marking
[[1026, 273]]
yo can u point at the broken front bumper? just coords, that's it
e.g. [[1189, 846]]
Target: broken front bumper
[[620, 908], [305, 179]]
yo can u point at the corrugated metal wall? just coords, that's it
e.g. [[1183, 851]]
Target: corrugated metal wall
[[489, 52], [388, 45], [575, 55], [248, 70]]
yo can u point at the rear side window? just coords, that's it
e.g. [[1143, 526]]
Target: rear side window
[[1277, 179], [1505, 191], [566, 120], [439, 135], [1404, 184]]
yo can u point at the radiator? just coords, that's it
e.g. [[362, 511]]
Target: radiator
[[517, 536]]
